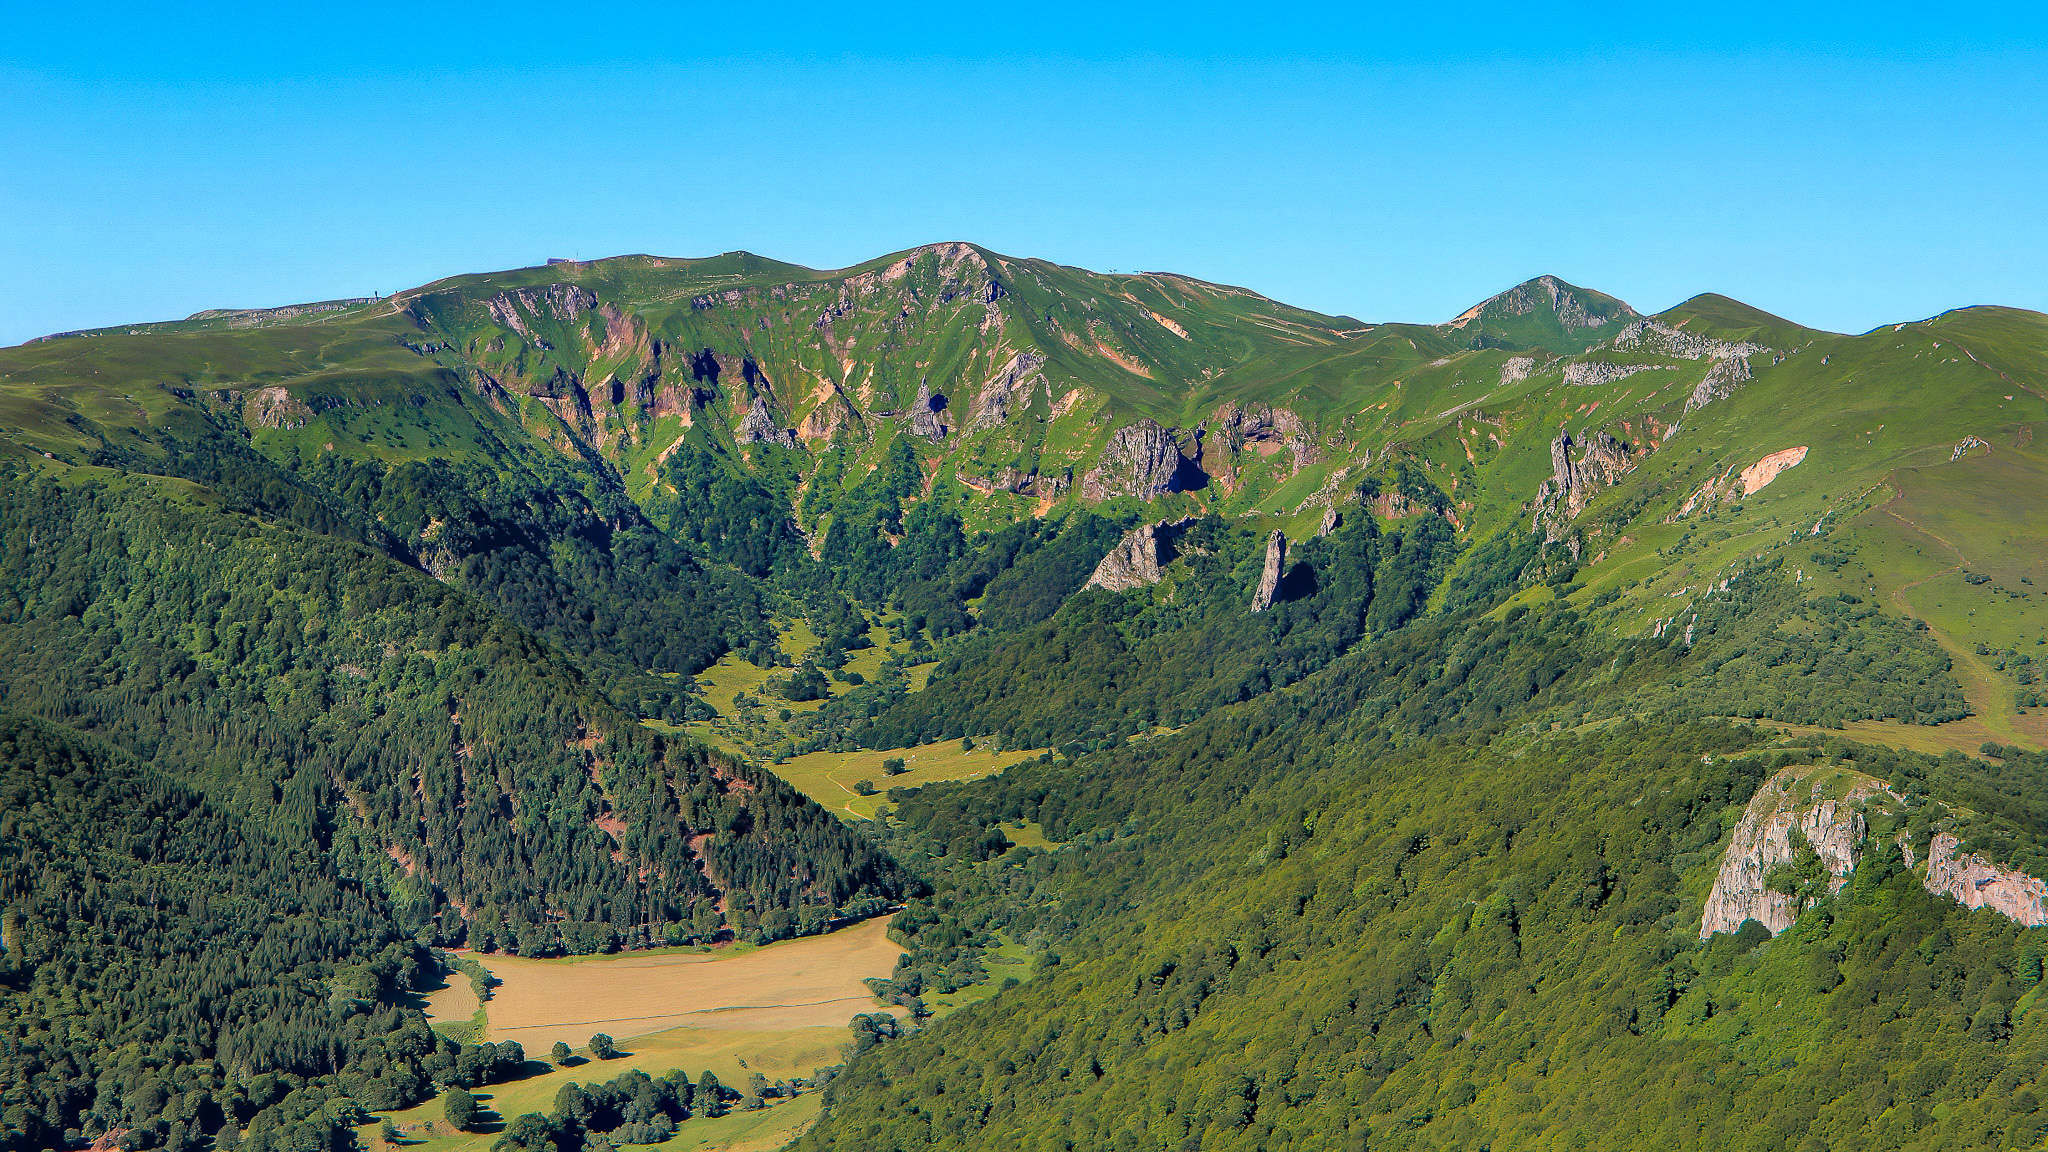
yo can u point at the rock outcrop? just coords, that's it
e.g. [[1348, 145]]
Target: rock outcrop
[[1731, 484], [1331, 519], [275, 408], [1133, 563], [1141, 460], [1833, 827], [1835, 830], [1720, 382], [924, 414], [1974, 882], [553, 302], [1574, 483], [833, 415], [1730, 367], [1264, 430], [1010, 386], [1587, 373], [1269, 578], [1517, 368], [758, 426]]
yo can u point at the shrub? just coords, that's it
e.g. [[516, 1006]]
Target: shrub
[[460, 1109]]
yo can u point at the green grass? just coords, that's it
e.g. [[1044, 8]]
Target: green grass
[[731, 1055], [829, 777]]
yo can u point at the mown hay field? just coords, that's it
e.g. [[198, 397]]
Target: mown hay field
[[815, 981]]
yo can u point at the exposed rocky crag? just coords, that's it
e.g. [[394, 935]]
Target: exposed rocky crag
[[1664, 340], [1331, 519], [1833, 827], [1269, 578], [1974, 882], [1517, 368], [758, 426], [1574, 483], [1730, 367], [275, 408], [924, 413], [1010, 387], [1141, 460], [1134, 562], [516, 309], [1262, 429], [1828, 806], [833, 415], [1588, 373]]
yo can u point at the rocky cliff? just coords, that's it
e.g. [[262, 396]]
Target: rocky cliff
[[1974, 882], [1134, 562], [1269, 578], [1141, 460], [1794, 800], [1574, 483], [1814, 816]]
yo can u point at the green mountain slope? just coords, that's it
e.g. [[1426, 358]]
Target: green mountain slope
[[1397, 677]]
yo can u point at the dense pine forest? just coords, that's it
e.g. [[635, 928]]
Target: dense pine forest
[[1381, 709]]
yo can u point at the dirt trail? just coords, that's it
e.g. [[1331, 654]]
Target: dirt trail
[[1989, 697]]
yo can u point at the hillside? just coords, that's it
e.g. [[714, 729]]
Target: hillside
[[1380, 701]]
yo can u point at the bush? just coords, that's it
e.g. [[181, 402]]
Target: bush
[[864, 787], [894, 766], [602, 1048], [460, 1109], [559, 1054]]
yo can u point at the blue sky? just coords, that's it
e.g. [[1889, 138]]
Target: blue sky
[[1844, 167]]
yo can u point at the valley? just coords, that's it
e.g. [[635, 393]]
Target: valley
[[1020, 707]]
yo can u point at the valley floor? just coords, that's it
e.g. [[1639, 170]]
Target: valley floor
[[780, 1010]]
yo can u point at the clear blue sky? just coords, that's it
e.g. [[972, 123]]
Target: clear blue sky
[[1843, 166]]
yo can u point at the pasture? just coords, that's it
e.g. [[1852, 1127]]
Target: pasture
[[732, 1055], [829, 777]]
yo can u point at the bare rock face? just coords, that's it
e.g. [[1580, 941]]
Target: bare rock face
[[275, 408], [1133, 563], [1722, 379], [1331, 519], [1141, 460], [1517, 368], [1730, 359], [832, 416], [1588, 373], [1574, 483], [1834, 828], [1269, 579], [1012, 382], [1974, 882], [557, 302], [1264, 430], [758, 426], [924, 414]]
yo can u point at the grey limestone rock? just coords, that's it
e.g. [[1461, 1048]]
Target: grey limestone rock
[[1133, 563], [1269, 579], [1141, 460], [758, 426]]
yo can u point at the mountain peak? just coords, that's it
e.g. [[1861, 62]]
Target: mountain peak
[[1544, 312]]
